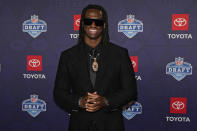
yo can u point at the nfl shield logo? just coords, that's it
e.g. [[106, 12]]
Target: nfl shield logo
[[34, 19], [34, 98], [179, 61], [130, 18]]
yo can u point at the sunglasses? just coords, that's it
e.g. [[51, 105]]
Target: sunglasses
[[98, 22]]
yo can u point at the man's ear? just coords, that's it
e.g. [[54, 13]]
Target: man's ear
[[104, 26]]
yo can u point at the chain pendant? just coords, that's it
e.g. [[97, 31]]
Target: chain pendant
[[95, 65]]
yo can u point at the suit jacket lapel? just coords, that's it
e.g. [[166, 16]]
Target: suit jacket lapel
[[102, 68], [82, 63]]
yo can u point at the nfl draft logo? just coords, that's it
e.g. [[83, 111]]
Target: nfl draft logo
[[34, 27], [33, 105], [133, 110], [130, 26], [179, 69]]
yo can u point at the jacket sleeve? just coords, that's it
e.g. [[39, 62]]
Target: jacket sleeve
[[128, 90], [63, 95]]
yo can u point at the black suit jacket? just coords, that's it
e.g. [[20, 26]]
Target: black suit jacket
[[115, 80]]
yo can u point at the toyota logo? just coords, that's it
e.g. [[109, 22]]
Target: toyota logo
[[133, 63], [180, 22], [34, 63], [77, 22], [178, 105]]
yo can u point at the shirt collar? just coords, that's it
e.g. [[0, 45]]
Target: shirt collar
[[89, 49]]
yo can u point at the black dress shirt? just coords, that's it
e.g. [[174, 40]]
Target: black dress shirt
[[93, 53]]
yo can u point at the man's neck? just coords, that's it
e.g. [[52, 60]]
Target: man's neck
[[91, 42]]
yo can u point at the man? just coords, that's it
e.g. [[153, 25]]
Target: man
[[95, 78]]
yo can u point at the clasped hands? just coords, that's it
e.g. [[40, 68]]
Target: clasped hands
[[92, 102]]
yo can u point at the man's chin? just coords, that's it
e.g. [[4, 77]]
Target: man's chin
[[93, 37]]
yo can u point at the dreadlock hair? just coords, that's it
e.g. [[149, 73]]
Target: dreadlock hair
[[105, 35]]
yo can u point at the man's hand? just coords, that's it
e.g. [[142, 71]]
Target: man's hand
[[83, 101], [93, 102]]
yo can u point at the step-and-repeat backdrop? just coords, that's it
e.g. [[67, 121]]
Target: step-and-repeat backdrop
[[160, 36]]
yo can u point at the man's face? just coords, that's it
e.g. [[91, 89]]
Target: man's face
[[93, 30]]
